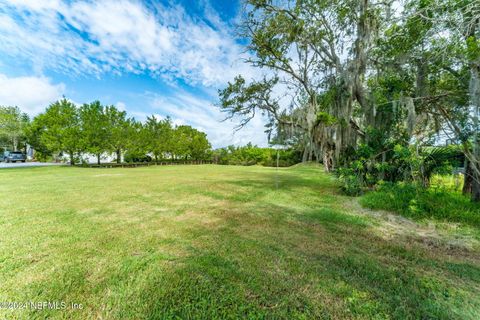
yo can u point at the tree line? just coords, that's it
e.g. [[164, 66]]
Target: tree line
[[250, 154], [367, 87], [13, 123], [92, 128]]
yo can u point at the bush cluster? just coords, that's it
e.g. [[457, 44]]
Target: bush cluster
[[252, 155], [400, 163], [440, 201]]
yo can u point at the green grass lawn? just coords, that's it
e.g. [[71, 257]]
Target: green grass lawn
[[209, 242]]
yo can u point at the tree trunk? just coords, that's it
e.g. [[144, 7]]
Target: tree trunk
[[473, 33], [119, 155], [72, 158], [328, 161], [305, 155], [474, 92], [468, 178], [15, 143], [475, 165], [475, 189], [98, 158], [384, 159]]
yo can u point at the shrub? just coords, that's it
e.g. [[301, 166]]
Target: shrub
[[132, 157], [438, 202], [365, 168], [351, 182], [252, 155]]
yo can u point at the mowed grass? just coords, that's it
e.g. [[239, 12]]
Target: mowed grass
[[220, 242]]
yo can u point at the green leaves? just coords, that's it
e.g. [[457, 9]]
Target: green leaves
[[326, 119], [190, 143], [242, 99], [163, 140], [473, 48], [158, 136], [102, 130], [252, 155], [13, 123], [59, 128], [95, 128]]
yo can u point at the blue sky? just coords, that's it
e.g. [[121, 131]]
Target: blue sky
[[147, 57]]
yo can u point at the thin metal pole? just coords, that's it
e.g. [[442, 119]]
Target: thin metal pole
[[278, 158]]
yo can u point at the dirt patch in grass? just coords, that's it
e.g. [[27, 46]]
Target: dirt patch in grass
[[429, 235]]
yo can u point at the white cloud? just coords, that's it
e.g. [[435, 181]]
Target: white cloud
[[185, 108], [121, 106], [31, 94], [121, 36], [126, 36], [37, 5]]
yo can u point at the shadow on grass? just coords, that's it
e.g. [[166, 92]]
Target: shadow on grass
[[321, 188], [274, 269], [269, 258], [251, 275]]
